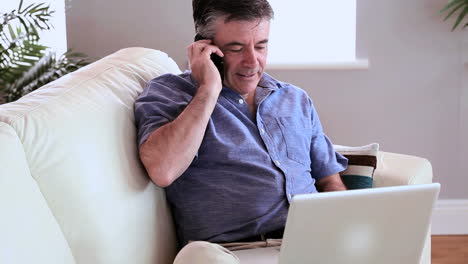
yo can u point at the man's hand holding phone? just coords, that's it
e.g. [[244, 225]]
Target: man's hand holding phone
[[204, 70]]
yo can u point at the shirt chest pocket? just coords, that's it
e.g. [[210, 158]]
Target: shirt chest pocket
[[297, 138]]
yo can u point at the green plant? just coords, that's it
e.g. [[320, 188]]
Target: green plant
[[452, 7], [25, 64], [45, 70]]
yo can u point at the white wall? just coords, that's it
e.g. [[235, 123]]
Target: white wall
[[464, 114], [99, 28], [411, 100]]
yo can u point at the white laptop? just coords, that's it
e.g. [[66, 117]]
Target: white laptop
[[368, 226]]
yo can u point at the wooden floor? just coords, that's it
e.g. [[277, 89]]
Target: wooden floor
[[450, 249]]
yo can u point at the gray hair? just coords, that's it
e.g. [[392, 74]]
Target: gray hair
[[207, 12]]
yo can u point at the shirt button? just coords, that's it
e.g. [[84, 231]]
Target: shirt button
[[289, 196], [277, 162], [262, 131], [240, 101]]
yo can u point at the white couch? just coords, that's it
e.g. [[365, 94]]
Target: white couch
[[72, 188]]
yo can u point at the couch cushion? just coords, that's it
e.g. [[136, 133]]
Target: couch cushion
[[79, 141], [29, 231]]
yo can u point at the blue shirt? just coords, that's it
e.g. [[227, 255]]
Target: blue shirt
[[248, 167]]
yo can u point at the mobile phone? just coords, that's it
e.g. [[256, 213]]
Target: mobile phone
[[217, 60]]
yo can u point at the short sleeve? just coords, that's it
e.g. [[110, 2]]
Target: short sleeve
[[162, 100], [325, 160]]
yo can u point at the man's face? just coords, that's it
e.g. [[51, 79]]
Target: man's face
[[244, 44]]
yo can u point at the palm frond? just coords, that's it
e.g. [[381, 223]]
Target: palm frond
[[460, 18], [28, 20], [26, 65], [452, 7], [18, 58], [46, 70]]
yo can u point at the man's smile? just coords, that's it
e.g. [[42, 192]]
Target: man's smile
[[246, 75]]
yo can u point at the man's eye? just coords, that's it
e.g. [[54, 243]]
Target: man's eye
[[235, 50], [260, 47]]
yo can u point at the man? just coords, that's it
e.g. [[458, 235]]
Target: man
[[231, 151]]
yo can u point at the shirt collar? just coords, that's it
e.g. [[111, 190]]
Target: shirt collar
[[268, 82], [265, 82]]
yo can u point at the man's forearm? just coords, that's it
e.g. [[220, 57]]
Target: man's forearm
[[170, 149], [331, 183]]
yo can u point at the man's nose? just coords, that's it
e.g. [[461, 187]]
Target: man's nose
[[250, 58]]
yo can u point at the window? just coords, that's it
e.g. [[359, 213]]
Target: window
[[56, 37], [312, 32]]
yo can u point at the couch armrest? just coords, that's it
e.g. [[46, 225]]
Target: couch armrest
[[398, 169]]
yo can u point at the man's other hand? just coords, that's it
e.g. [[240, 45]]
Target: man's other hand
[[330, 183]]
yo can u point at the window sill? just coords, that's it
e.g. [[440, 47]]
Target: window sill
[[360, 64]]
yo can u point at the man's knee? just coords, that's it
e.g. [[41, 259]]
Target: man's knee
[[202, 252]]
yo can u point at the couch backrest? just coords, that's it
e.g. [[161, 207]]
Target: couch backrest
[[72, 188]]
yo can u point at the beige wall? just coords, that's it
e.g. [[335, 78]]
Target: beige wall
[[464, 117], [411, 100]]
